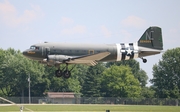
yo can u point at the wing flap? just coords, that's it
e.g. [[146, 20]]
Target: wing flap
[[89, 59]]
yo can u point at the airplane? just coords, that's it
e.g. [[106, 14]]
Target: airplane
[[55, 54]]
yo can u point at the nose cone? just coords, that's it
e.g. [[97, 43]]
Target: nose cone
[[24, 53], [27, 54]]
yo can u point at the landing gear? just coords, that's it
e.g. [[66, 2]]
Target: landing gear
[[66, 73], [144, 60], [58, 73]]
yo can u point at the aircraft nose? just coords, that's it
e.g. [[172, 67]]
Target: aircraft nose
[[25, 53]]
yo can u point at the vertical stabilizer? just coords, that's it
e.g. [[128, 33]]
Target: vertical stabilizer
[[152, 38]]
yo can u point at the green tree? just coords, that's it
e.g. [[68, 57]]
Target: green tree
[[60, 84], [135, 67], [8, 78], [142, 77], [80, 73], [166, 75], [15, 69], [147, 92], [118, 81], [2, 55], [131, 63], [92, 81]]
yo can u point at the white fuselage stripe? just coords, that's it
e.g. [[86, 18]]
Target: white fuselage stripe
[[136, 50], [118, 52]]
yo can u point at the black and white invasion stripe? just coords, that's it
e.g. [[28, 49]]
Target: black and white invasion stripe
[[127, 51]]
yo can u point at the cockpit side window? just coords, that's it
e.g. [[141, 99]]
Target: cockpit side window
[[34, 48]]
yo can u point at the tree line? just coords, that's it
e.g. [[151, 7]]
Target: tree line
[[112, 79]]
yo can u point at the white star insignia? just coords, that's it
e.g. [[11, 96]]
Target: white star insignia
[[129, 51]]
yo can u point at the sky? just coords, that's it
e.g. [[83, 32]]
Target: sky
[[27, 22]]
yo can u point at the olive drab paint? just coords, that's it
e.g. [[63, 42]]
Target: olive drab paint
[[55, 54]]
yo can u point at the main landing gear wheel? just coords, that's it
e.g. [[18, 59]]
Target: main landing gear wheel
[[58, 73], [66, 74]]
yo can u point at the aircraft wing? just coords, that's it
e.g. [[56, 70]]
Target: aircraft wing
[[88, 59]]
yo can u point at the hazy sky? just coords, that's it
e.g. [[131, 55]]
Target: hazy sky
[[26, 22]]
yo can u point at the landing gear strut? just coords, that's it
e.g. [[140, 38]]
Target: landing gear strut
[[144, 60], [65, 73]]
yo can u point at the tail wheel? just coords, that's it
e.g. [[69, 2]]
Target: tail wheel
[[66, 74], [144, 60], [58, 73]]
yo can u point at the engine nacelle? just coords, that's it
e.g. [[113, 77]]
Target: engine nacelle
[[56, 59], [59, 58]]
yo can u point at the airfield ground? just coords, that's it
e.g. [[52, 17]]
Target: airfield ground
[[86, 108]]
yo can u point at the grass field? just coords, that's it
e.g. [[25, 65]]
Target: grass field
[[89, 108]]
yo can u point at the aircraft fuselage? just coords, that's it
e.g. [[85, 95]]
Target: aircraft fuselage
[[117, 51], [55, 54]]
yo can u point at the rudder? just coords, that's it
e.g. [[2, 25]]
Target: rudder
[[152, 38]]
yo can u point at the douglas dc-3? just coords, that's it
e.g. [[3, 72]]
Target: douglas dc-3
[[55, 54]]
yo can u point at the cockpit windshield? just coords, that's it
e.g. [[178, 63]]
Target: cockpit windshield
[[34, 48]]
